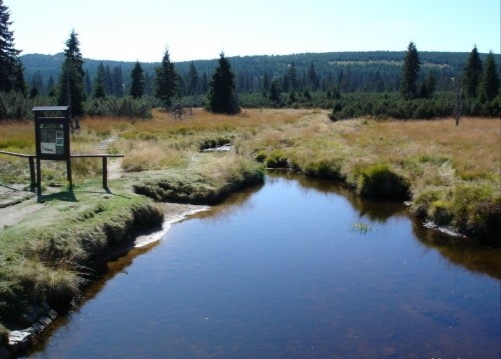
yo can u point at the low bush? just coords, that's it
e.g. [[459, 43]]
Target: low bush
[[380, 181], [119, 107]]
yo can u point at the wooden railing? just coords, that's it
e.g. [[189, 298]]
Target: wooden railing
[[32, 158]]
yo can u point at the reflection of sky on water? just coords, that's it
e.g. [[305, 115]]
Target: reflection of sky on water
[[281, 273]]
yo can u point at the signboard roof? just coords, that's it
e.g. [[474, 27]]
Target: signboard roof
[[50, 108]]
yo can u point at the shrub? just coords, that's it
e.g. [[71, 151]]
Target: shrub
[[119, 107]]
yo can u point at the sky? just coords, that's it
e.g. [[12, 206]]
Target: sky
[[141, 30]]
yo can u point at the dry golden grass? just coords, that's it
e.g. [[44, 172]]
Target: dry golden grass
[[437, 158], [17, 136]]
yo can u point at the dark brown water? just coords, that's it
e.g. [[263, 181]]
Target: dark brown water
[[295, 269]]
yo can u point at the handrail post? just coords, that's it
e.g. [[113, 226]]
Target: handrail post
[[31, 159], [105, 172]]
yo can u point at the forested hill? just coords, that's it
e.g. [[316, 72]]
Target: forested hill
[[375, 71]]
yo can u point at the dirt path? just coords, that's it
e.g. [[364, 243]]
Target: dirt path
[[17, 203]]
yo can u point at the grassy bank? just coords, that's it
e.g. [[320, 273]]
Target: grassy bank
[[50, 255], [46, 256], [449, 174]]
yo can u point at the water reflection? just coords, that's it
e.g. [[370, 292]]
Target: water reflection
[[373, 210], [278, 271], [459, 251]]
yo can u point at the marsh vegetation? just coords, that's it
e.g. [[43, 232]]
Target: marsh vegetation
[[449, 174]]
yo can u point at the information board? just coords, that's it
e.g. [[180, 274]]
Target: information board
[[52, 138]]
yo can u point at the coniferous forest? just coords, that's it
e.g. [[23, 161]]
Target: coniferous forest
[[383, 84], [349, 83]]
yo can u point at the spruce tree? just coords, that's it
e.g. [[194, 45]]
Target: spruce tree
[[71, 82], [489, 83], [275, 93], [137, 81], [222, 89], [11, 71], [410, 73], [118, 81], [472, 74], [192, 80], [313, 80], [293, 79], [100, 83], [166, 81]]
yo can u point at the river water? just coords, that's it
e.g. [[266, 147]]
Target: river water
[[293, 269]]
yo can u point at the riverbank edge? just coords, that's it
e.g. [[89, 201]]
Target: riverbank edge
[[150, 214], [42, 316]]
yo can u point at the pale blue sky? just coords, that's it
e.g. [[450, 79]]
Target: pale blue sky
[[201, 29]]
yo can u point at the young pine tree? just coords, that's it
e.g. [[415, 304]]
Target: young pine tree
[[222, 90]]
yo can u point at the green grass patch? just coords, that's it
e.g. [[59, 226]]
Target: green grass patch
[[46, 256], [211, 180]]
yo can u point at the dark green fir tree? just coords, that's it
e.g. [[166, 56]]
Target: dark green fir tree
[[71, 81], [410, 73], [100, 83], [166, 81], [489, 83], [472, 74], [222, 90], [137, 81]]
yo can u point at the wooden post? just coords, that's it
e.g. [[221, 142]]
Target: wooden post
[[39, 178], [68, 172], [105, 172], [32, 172]]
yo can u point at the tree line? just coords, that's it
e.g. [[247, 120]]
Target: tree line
[[351, 84], [107, 95]]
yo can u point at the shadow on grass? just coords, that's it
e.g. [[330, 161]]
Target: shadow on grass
[[66, 196], [107, 191]]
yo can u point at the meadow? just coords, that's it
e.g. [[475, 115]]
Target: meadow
[[446, 173]]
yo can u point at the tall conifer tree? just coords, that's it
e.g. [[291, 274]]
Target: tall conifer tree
[[71, 82], [489, 83], [410, 72], [222, 89], [100, 82], [11, 69], [472, 74], [137, 83], [166, 81]]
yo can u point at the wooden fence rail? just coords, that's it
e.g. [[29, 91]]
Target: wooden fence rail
[[31, 159]]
